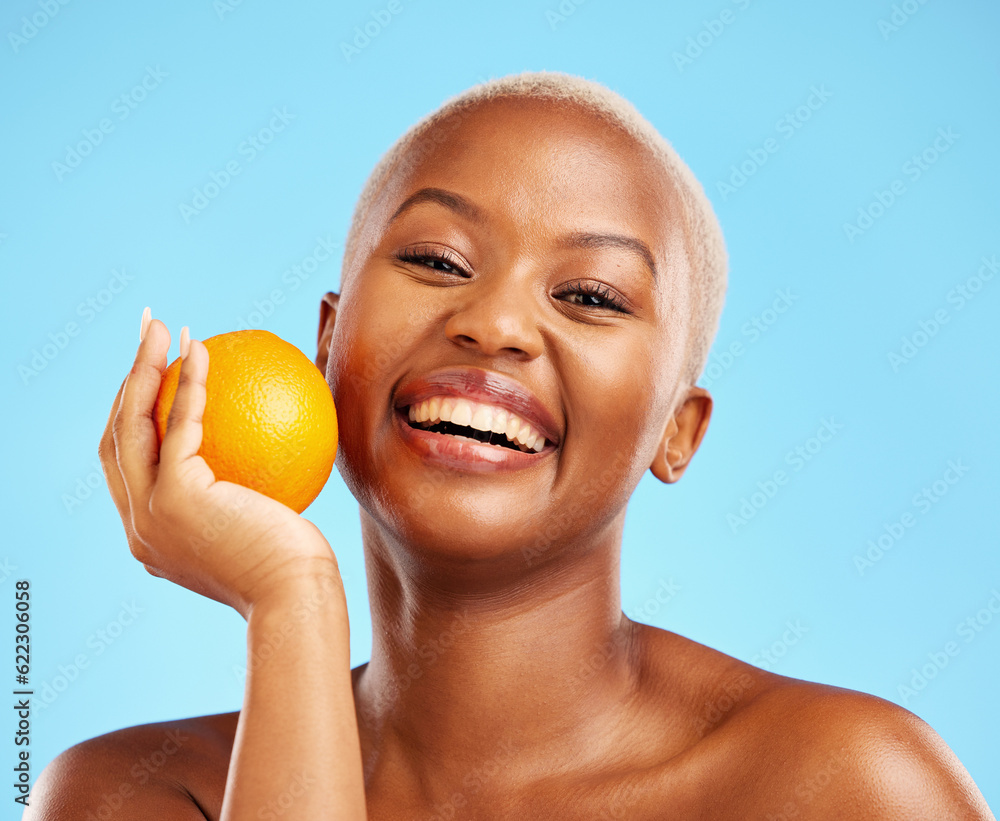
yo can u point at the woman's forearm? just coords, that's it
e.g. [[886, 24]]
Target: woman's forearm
[[297, 753]]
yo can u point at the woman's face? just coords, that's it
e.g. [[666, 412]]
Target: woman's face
[[528, 259]]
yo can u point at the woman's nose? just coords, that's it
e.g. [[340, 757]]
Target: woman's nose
[[497, 317]]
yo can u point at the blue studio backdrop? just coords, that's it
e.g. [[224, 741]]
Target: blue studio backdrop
[[204, 157]]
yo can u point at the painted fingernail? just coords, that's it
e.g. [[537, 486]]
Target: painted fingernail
[[147, 317], [185, 342]]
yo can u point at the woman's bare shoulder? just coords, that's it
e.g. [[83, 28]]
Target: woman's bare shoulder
[[834, 752], [167, 769], [790, 748]]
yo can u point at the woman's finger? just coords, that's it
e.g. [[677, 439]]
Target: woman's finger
[[179, 449], [135, 438], [109, 462], [107, 451]]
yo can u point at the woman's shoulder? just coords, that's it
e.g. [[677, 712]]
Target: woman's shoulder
[[168, 769], [792, 748]]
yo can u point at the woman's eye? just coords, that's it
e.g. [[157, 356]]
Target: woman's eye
[[438, 264], [434, 259], [593, 295], [586, 294], [588, 299]]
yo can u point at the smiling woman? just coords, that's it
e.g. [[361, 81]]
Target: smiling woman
[[531, 284]]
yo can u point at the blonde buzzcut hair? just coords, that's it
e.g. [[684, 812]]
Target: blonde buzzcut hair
[[704, 242]]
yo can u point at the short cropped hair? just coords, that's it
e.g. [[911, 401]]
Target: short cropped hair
[[705, 246]]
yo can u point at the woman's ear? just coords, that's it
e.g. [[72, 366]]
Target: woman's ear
[[682, 436], [327, 319]]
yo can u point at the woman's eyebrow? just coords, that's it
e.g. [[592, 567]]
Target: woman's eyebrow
[[584, 239], [578, 239], [448, 199]]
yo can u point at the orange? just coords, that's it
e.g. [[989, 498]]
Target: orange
[[269, 421]]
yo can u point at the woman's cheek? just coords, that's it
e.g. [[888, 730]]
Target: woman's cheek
[[366, 343]]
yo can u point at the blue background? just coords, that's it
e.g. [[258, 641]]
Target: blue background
[[886, 89]]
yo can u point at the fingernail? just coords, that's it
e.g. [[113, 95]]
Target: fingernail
[[147, 317], [185, 342]]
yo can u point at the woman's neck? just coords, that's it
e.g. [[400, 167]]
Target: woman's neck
[[535, 657]]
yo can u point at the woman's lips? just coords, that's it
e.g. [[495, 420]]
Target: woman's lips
[[462, 453], [480, 385]]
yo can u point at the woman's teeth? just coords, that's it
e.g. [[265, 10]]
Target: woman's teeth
[[482, 417]]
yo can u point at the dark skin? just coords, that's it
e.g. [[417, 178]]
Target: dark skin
[[540, 699]]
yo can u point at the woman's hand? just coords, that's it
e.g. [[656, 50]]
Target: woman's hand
[[219, 539]]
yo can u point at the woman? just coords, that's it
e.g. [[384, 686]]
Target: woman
[[531, 284]]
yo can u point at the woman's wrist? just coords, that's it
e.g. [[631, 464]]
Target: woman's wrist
[[302, 591]]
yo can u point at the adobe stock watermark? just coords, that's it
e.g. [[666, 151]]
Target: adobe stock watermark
[[592, 664], [430, 651], [968, 630], [388, 352], [302, 611], [122, 108], [923, 501], [434, 139], [787, 126], [602, 654], [797, 458], [900, 15], [768, 657], [619, 804], [372, 28], [913, 169], [711, 30], [292, 279], [721, 360], [223, 519], [557, 527], [248, 150], [144, 768], [958, 297], [225, 7], [558, 15], [31, 26], [714, 711], [84, 488], [6, 569], [285, 800], [663, 595], [98, 642], [473, 781], [42, 356]]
